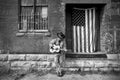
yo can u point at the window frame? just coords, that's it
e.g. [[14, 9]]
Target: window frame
[[34, 7], [69, 39]]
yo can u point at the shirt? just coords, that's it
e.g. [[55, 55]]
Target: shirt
[[56, 45]]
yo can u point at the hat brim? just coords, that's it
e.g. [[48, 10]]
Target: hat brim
[[60, 35]]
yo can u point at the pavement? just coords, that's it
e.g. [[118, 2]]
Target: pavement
[[67, 76], [72, 77]]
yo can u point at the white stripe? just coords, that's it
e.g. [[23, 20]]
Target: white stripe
[[82, 34], [74, 37], [94, 30], [78, 37], [86, 29], [91, 35]]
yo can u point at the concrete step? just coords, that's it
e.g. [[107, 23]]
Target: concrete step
[[85, 62]]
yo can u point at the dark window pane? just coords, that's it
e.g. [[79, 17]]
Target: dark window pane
[[39, 2], [27, 18], [27, 2], [41, 18], [27, 10], [33, 17], [38, 18]]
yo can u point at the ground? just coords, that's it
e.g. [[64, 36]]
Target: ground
[[67, 76]]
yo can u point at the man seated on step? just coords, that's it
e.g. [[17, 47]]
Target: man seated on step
[[57, 46]]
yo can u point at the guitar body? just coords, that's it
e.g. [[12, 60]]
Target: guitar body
[[55, 48]]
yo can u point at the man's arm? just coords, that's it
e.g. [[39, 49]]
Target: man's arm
[[62, 46], [52, 42]]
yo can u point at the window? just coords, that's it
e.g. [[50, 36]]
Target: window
[[33, 16]]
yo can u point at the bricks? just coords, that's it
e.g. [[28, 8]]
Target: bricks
[[30, 64], [95, 69], [115, 18], [86, 69], [119, 56], [27, 61], [22, 64], [73, 69], [44, 64], [4, 67], [39, 61], [116, 69], [74, 63], [3, 57], [40, 57], [92, 63], [88, 63], [99, 64], [28, 57], [112, 63], [107, 18], [104, 69], [16, 57]]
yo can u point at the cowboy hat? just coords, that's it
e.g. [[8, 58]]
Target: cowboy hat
[[60, 35]]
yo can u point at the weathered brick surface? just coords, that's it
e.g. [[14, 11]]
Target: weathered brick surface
[[92, 63], [104, 69], [74, 63], [112, 56], [115, 18], [112, 63], [99, 63], [88, 63], [117, 69], [4, 67], [110, 15], [86, 69], [44, 64], [119, 56], [17, 57], [3, 57], [40, 57], [26, 64], [72, 69], [27, 61], [31, 64], [95, 69]]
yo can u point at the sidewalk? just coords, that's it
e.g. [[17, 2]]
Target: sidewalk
[[67, 76], [72, 77]]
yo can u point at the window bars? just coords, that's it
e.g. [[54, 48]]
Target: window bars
[[83, 30], [33, 15]]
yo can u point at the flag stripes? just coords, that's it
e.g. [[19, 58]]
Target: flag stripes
[[84, 30]]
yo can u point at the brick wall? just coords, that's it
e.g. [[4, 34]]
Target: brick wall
[[110, 26], [29, 42], [27, 61]]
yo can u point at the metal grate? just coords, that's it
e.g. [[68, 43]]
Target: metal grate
[[33, 16]]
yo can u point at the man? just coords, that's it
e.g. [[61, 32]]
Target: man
[[57, 46]]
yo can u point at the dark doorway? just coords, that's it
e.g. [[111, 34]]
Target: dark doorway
[[87, 39]]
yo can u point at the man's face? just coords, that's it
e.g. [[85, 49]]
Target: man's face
[[62, 38]]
